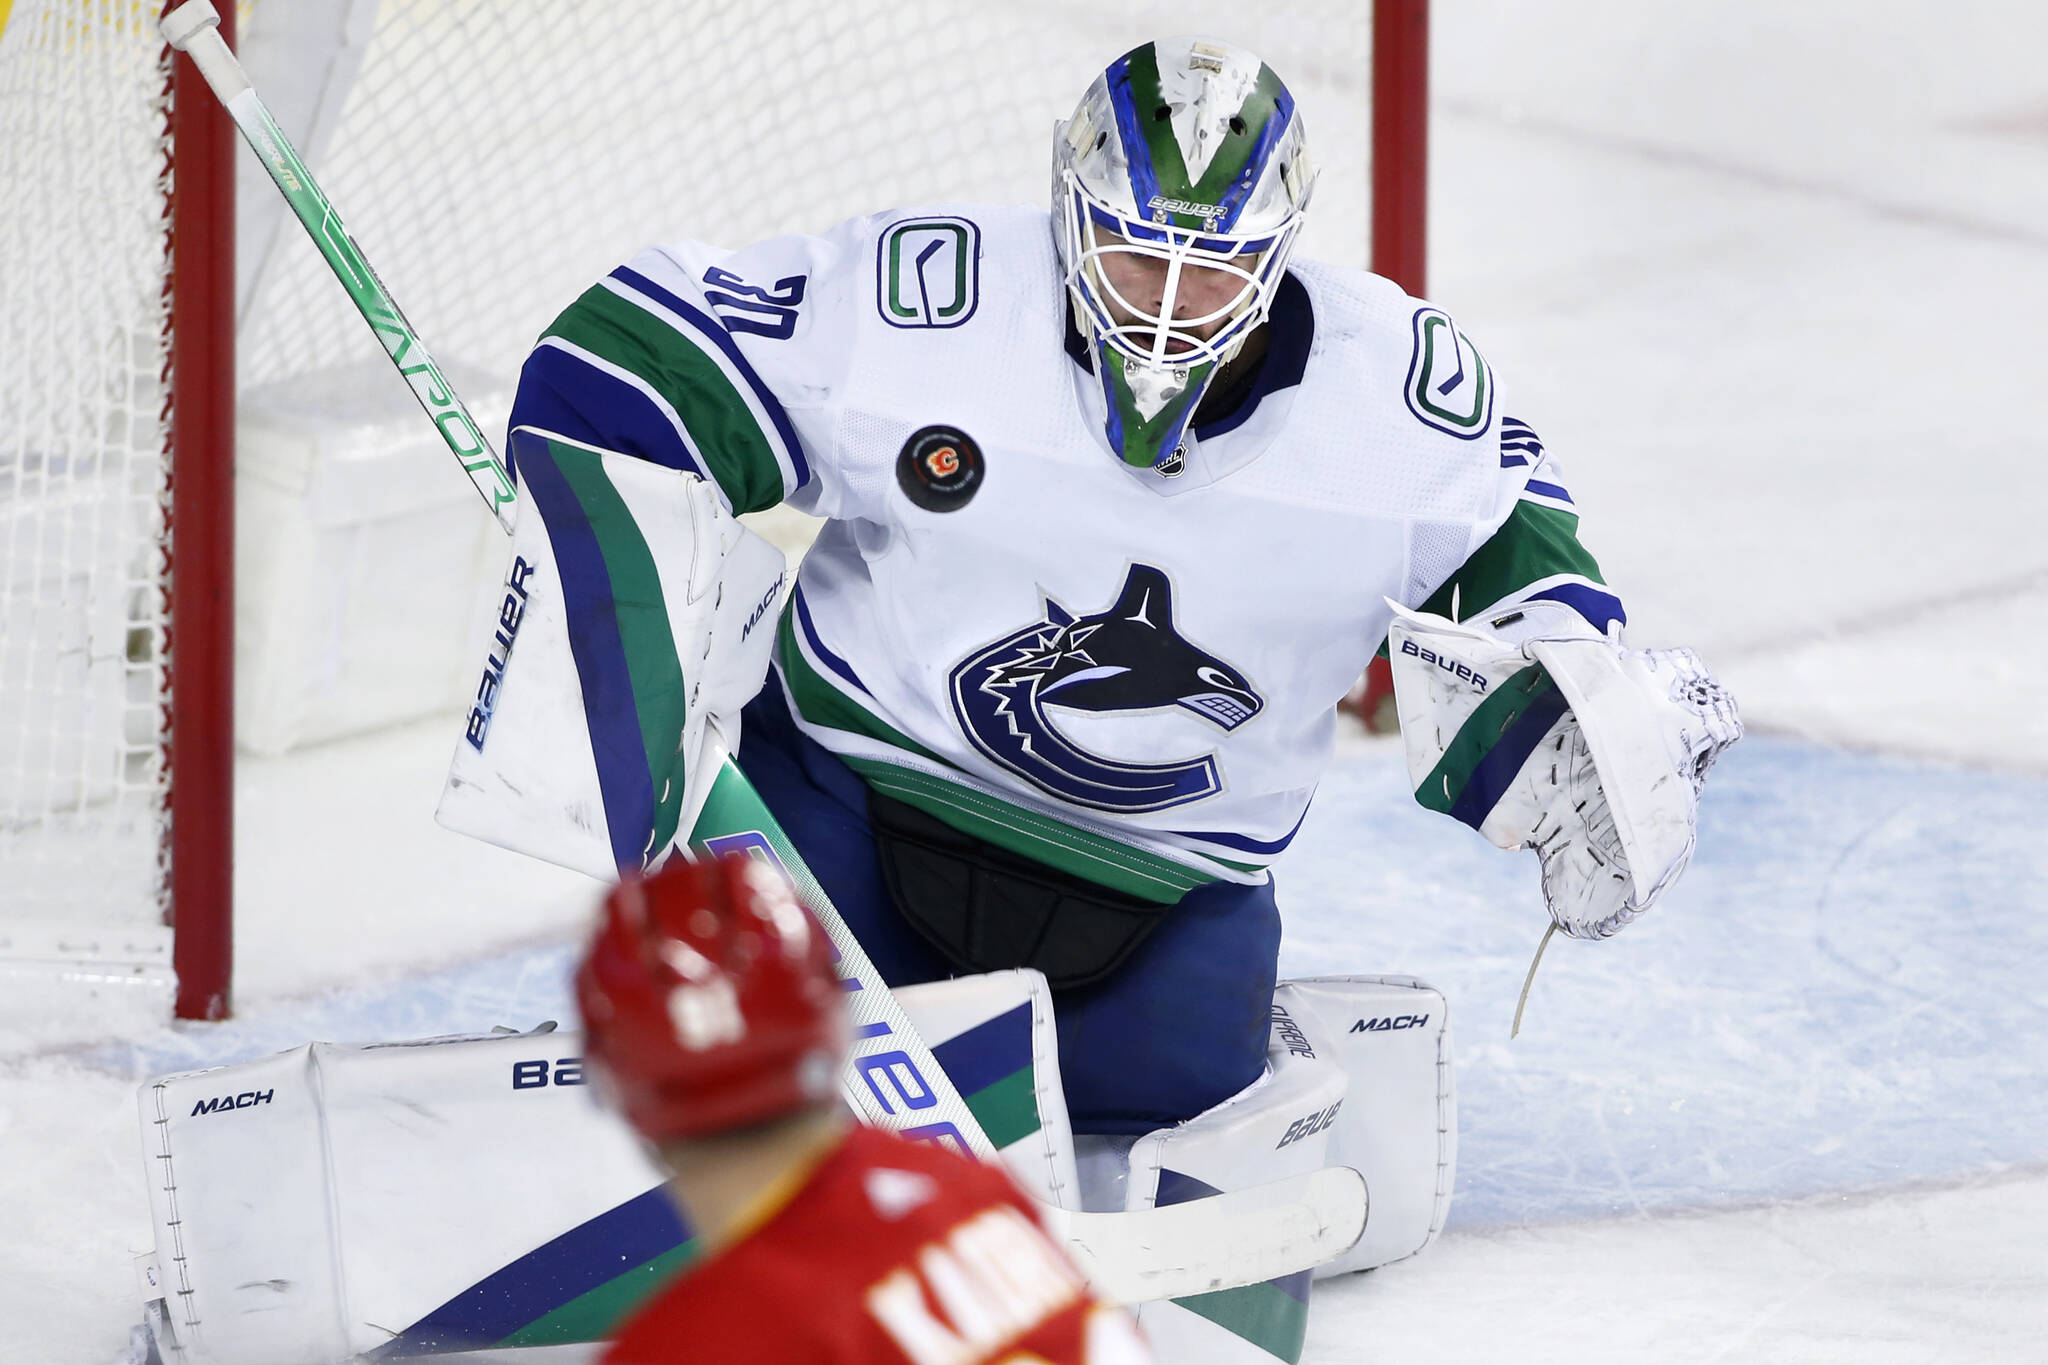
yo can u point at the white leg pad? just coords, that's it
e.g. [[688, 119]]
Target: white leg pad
[[1278, 1126], [315, 1205], [1399, 1128], [311, 1206], [994, 1035]]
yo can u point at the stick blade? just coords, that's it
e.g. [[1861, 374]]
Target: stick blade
[[1236, 1238]]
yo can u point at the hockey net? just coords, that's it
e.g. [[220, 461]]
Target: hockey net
[[84, 446], [492, 157]]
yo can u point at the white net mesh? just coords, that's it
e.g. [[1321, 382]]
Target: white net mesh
[[82, 468], [495, 157]]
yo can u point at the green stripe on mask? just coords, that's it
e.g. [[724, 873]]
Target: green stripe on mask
[[1233, 154], [1145, 439]]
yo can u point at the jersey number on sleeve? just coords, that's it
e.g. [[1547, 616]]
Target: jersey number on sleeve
[[744, 307]]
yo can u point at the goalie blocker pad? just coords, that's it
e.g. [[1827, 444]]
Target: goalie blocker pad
[[635, 613], [459, 1194]]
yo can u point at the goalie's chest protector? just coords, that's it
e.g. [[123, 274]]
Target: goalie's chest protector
[[1159, 654]]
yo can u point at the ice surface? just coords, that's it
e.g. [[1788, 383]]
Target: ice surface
[[1771, 280]]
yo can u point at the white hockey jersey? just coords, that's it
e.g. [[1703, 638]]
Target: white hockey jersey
[[1128, 674]]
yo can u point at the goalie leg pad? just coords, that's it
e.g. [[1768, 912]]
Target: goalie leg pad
[[441, 1195], [994, 1035], [1399, 1128], [1277, 1127], [636, 615]]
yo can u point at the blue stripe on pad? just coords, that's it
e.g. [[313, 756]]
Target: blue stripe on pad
[[1178, 1188], [609, 709], [991, 1051], [544, 1279], [1494, 773]]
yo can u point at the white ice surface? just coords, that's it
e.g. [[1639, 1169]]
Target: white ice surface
[[1771, 279]]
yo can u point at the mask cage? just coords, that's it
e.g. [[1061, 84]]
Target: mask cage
[[1257, 262]]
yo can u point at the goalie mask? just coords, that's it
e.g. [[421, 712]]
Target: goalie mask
[[1178, 188]]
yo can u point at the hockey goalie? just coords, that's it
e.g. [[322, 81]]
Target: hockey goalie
[[1118, 501]]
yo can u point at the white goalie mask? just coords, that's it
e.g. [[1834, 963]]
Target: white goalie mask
[[1179, 186]]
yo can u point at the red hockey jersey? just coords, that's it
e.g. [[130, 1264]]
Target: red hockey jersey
[[890, 1253]]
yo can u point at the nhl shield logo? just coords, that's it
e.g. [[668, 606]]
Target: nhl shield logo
[[1129, 657]]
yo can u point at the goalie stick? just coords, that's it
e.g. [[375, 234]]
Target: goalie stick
[[891, 1080], [190, 28], [1220, 1241]]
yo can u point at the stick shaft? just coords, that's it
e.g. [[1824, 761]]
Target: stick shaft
[[191, 28], [891, 1078]]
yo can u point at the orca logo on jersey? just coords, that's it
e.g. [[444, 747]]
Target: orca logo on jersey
[[1126, 659], [939, 469]]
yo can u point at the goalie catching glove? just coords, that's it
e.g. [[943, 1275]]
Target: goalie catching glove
[[635, 620], [1566, 742]]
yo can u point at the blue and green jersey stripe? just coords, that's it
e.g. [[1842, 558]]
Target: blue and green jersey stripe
[[1537, 547], [636, 367]]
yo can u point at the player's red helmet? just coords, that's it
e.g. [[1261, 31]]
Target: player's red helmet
[[709, 999]]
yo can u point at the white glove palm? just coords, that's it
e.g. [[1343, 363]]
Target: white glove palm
[[1619, 826]]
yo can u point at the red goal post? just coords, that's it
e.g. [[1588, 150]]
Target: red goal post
[[492, 156]]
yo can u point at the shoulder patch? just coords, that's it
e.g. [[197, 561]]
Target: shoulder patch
[[1450, 386], [928, 272]]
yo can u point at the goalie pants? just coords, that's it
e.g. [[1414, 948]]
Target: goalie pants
[[1178, 1028]]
